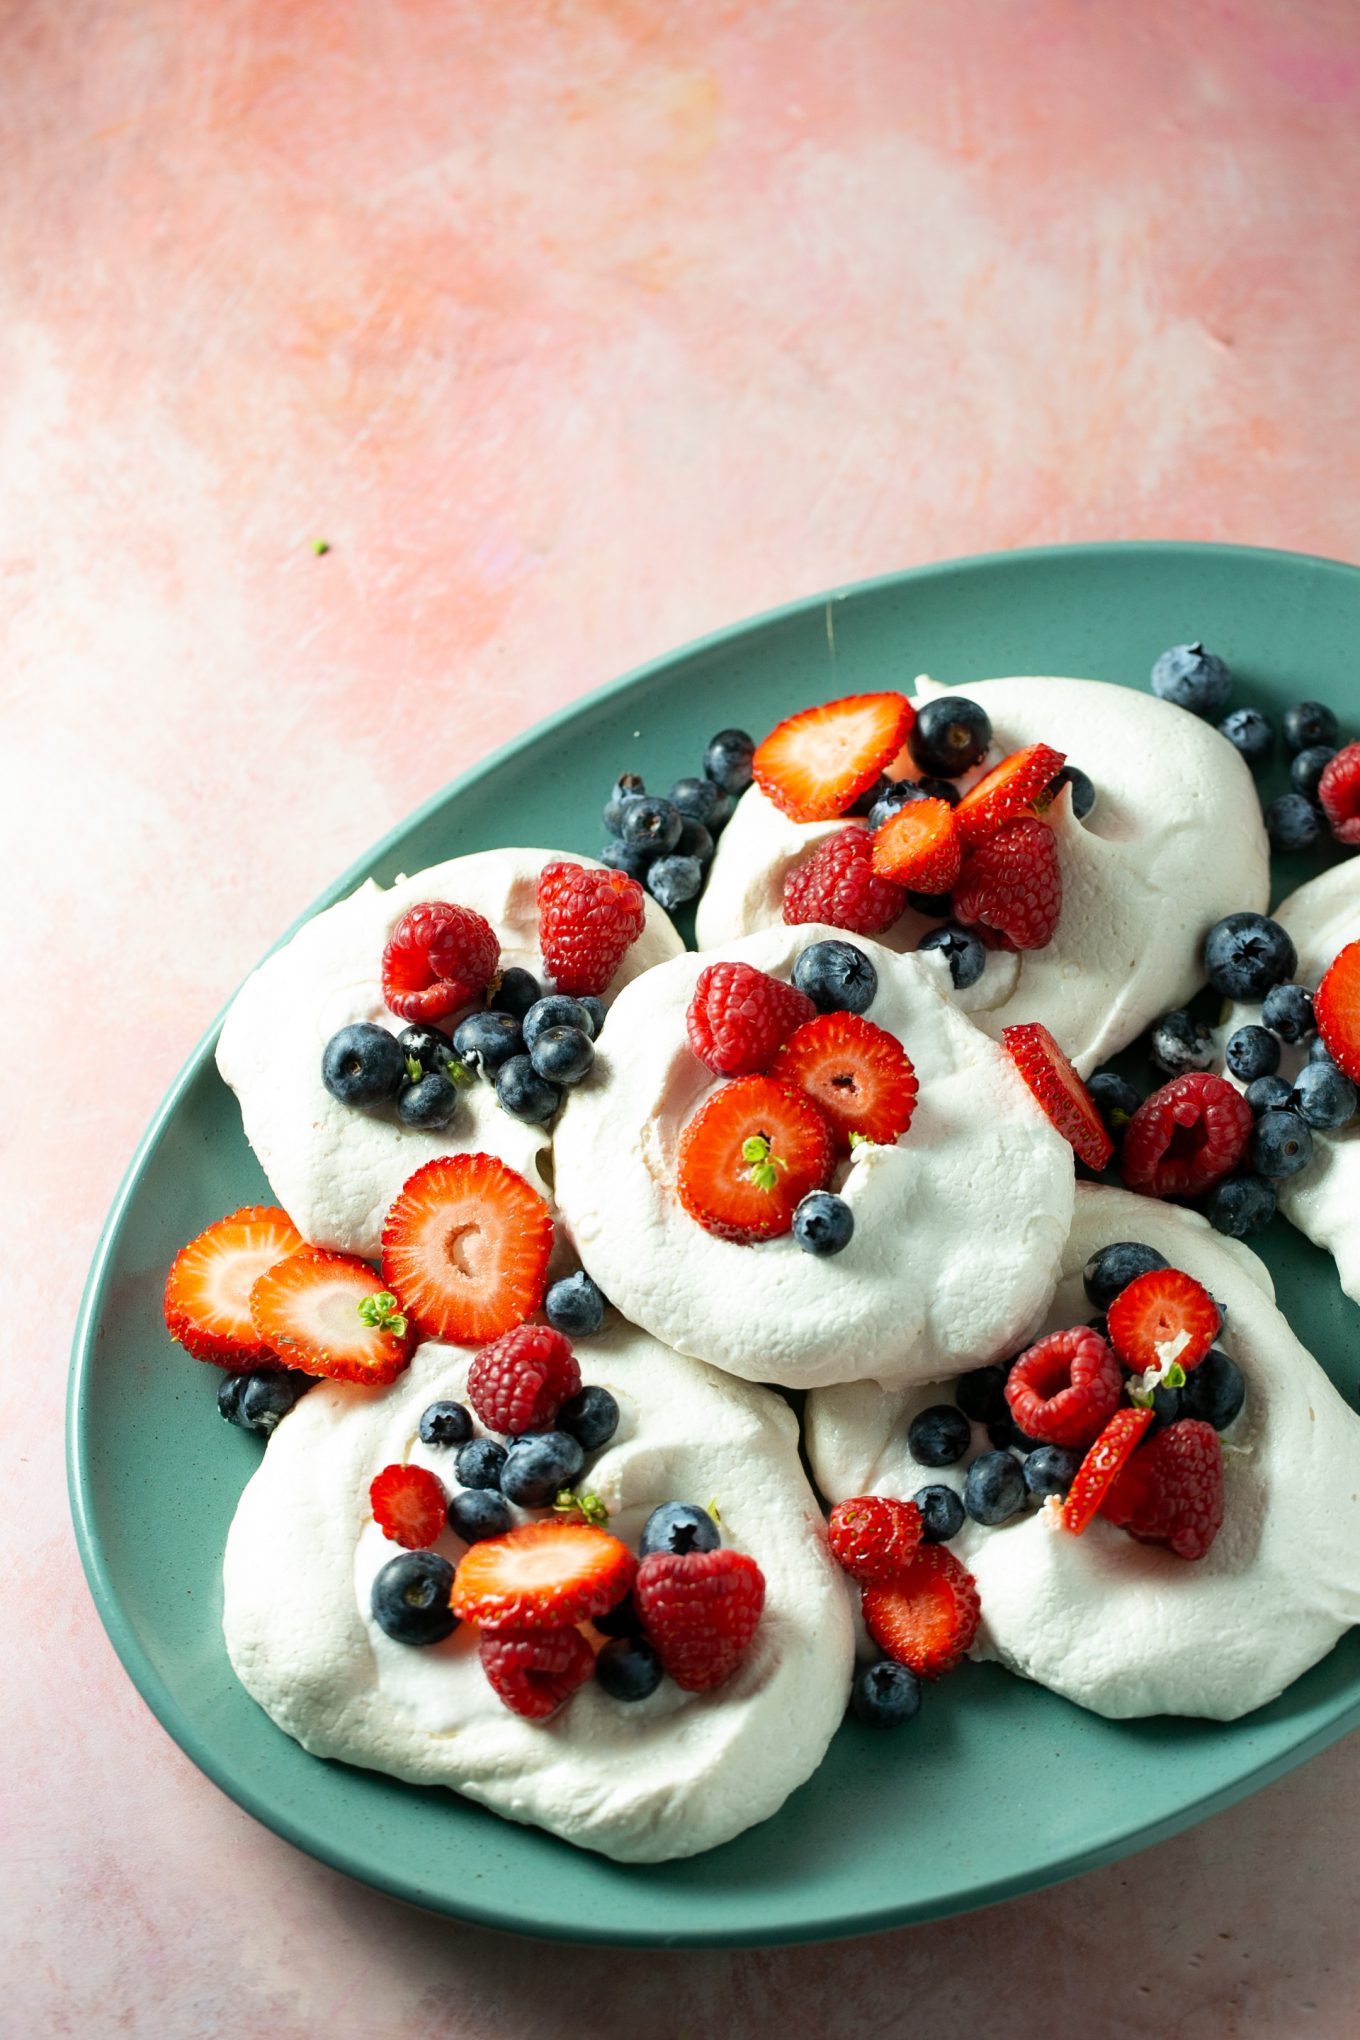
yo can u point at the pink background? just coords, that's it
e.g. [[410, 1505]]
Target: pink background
[[577, 327]]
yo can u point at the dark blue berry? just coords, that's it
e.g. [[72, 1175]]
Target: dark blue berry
[[485, 1040], [430, 1104], [1293, 823], [727, 760], [939, 1436], [1050, 1470], [1318, 1051], [981, 1395], [1115, 1100], [479, 1463], [837, 976], [962, 949], [865, 803], [721, 815], [649, 822], [1287, 1010], [591, 1417], [696, 844], [1241, 1206], [1281, 1145], [429, 1046], [950, 735], [410, 1599], [1252, 1052], [1251, 733], [941, 789], [995, 1488], [522, 1093], [885, 1695], [1193, 678], [628, 1668], [596, 1012], [1180, 1043], [941, 1513], [823, 1223], [363, 1065], [1245, 954], [934, 906], [563, 1055], [1108, 1273], [575, 1306], [678, 1527], [517, 991], [622, 1619], [557, 1010], [444, 1424], [1270, 1094], [1166, 1407], [1214, 1391], [1083, 789], [475, 1513], [897, 794], [1324, 1097], [1308, 723], [674, 880], [628, 786], [634, 858], [538, 1464], [1308, 767], [695, 799], [259, 1402], [1006, 1435]]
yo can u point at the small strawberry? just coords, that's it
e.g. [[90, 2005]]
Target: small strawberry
[[816, 764], [1060, 1091], [1065, 1389], [1163, 1319], [465, 1248], [207, 1292], [1098, 1469], [837, 884], [919, 847], [534, 1671], [1171, 1490], [739, 1017], [328, 1314], [1186, 1136], [927, 1618], [1336, 1008], [859, 1075], [874, 1537], [1011, 886], [700, 1610], [438, 957], [1339, 793], [750, 1155], [587, 922], [408, 1504], [545, 1575], [520, 1381], [1007, 791]]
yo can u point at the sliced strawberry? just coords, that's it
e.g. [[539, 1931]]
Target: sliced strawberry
[[328, 1314], [929, 1616], [465, 1248], [1060, 1091], [535, 1670], [1163, 1318], [1098, 1469], [859, 1075], [408, 1504], [207, 1292], [919, 847], [1004, 793], [815, 766], [542, 1576], [750, 1155], [1336, 1008]]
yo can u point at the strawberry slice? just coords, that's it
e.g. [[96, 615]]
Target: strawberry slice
[[929, 1616], [535, 1670], [328, 1314], [207, 1292], [1004, 793], [816, 765], [1060, 1091], [1163, 1318], [542, 1576], [408, 1504], [1100, 1467], [465, 1248], [859, 1075], [919, 847], [750, 1155], [1336, 1008]]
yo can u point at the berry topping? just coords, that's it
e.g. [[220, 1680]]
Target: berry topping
[[1171, 1490], [562, 1055], [438, 957], [408, 1504], [1186, 1136], [860, 1076], [837, 976], [1164, 1319], [1252, 1052], [525, 1095], [465, 1248], [327, 1314], [516, 993], [994, 1489], [207, 1292], [539, 1466], [1324, 1098], [1064, 1390], [534, 1672], [1292, 823], [1115, 1266], [941, 1513], [591, 1417], [750, 1155], [1011, 885], [588, 921], [1051, 1470], [919, 848], [727, 760], [1100, 1466], [1081, 790], [260, 1402], [1193, 678], [410, 1598], [1305, 772], [1245, 954], [927, 1618], [1287, 1011], [1240, 1206], [824, 1224], [1336, 1007], [363, 1065], [678, 1527], [475, 1513], [1281, 1144], [1060, 1091], [700, 1610], [575, 1305], [1308, 723], [479, 1463], [673, 880], [964, 952], [520, 1381], [739, 1018], [1005, 792], [628, 1668], [939, 1435], [885, 1695], [816, 764], [1115, 1100], [542, 1576], [874, 1537], [950, 735], [1249, 732], [1181, 1043], [841, 884], [445, 1424], [648, 822]]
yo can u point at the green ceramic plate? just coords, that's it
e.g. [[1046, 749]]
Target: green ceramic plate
[[1000, 1786]]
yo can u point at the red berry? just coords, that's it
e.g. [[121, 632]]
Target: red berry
[[740, 1016], [837, 884], [439, 957], [927, 1618], [587, 923], [1336, 1008], [919, 847], [874, 1537], [408, 1504], [207, 1292], [1163, 1317], [520, 1381], [1064, 1390], [534, 1671], [1011, 886], [859, 1075], [700, 1610], [817, 763], [1171, 1491], [1058, 1088], [328, 1314], [1098, 1469], [545, 1575], [1007, 790], [1339, 793], [465, 1248], [1185, 1136], [750, 1155]]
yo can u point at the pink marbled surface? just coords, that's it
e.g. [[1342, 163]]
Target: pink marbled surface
[[577, 329]]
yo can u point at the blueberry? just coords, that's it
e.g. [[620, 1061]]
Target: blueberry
[[837, 977], [1241, 1206], [229, 1391], [1115, 1100], [1252, 1052], [941, 789], [1249, 732], [1180, 1043], [429, 1046], [1287, 1010], [897, 794], [939, 1436], [485, 1040], [1050, 1470], [538, 1464], [934, 906], [1293, 823], [965, 954], [1193, 678], [695, 799], [479, 1463], [1318, 1051], [981, 1395], [522, 1093], [823, 1223], [1006, 1435], [885, 1695], [1308, 723], [476, 1513], [721, 815], [591, 1417], [1245, 954], [1281, 1145], [620, 1620], [1214, 1391], [696, 844], [950, 735], [995, 1488], [557, 1010], [651, 823], [1083, 794], [517, 991], [628, 1668], [1166, 1407], [1110, 1271], [430, 1104], [941, 1513], [596, 1012], [410, 1599], [674, 880], [1270, 1094], [678, 1527], [1308, 768], [727, 760], [1324, 1097], [575, 1306], [259, 1402], [628, 786], [864, 803], [445, 1423], [363, 1065], [563, 1055], [634, 858]]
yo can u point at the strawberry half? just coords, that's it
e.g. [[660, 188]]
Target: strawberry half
[[1005, 792], [919, 847], [207, 1292], [542, 1576], [1163, 1318], [408, 1504], [1336, 1008], [1060, 1091], [328, 1314], [858, 1074], [929, 1616], [534, 1671], [465, 1248], [1098, 1469], [816, 764], [750, 1155]]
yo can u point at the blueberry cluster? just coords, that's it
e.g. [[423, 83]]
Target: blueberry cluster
[[667, 843]]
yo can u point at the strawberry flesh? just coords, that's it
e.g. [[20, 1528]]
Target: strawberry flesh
[[311, 1311], [1007, 791], [750, 1155], [815, 765], [1099, 1468], [545, 1575], [465, 1248], [927, 1618], [1336, 1008], [1163, 1318], [207, 1292], [1060, 1091], [858, 1074], [919, 847]]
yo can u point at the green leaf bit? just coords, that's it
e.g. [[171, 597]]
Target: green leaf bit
[[381, 1311], [414, 1069], [587, 1506], [764, 1166]]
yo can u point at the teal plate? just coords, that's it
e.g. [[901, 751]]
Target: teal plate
[[999, 1787]]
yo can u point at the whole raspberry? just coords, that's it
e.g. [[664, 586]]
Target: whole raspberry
[[874, 1537], [1064, 1390], [588, 921], [1191, 1133], [699, 1610], [837, 884], [1339, 793], [740, 1017], [438, 957], [533, 1671], [521, 1380], [1011, 885], [1171, 1491]]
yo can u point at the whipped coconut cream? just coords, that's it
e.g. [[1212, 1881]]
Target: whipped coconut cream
[[335, 1169], [643, 1781], [958, 1228], [1126, 1628], [1140, 887]]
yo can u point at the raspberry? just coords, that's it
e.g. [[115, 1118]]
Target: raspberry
[[838, 885], [1171, 1491], [1186, 1136], [588, 921], [438, 957], [700, 1610], [739, 1017], [874, 1537], [1011, 885], [535, 1671], [1339, 793], [1064, 1390], [520, 1381]]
